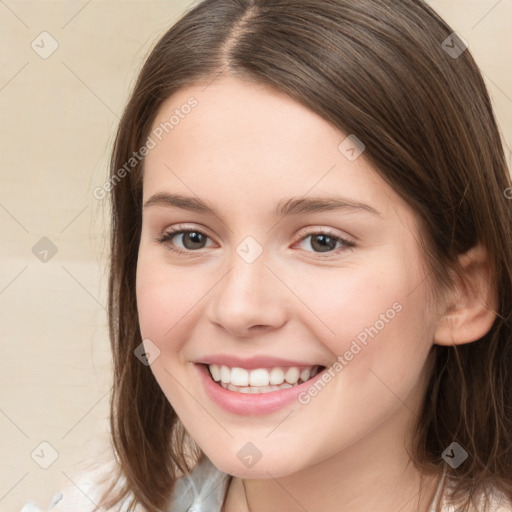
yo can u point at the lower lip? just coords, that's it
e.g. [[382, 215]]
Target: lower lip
[[247, 403]]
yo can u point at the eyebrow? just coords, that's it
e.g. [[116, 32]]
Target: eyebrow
[[285, 207]]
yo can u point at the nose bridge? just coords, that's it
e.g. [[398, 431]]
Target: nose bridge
[[246, 281], [248, 296]]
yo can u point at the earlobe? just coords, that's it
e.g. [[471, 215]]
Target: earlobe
[[471, 306]]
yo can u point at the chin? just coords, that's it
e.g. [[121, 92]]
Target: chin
[[265, 467]]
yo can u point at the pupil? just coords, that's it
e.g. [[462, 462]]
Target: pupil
[[195, 238], [322, 243], [326, 243]]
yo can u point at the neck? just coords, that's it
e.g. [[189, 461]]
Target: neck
[[373, 474]]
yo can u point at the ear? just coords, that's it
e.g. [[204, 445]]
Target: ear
[[470, 308]]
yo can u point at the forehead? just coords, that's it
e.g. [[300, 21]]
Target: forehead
[[244, 143]]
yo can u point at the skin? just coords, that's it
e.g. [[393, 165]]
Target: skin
[[242, 149]]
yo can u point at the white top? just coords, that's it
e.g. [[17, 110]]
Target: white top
[[204, 490]]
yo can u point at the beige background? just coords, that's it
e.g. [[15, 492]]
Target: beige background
[[57, 121]]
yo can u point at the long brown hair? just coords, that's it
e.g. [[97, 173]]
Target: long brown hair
[[377, 69]]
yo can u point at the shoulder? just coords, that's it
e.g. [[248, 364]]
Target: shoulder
[[492, 500], [496, 501], [79, 493], [203, 490]]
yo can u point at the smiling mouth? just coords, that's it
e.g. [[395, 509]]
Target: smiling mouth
[[261, 380]]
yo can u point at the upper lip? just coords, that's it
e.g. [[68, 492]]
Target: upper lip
[[253, 362]]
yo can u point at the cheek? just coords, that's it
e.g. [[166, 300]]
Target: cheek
[[165, 300], [166, 304], [374, 313]]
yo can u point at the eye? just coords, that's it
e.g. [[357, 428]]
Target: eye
[[325, 241], [191, 239]]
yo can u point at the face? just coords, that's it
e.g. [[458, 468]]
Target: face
[[288, 269]]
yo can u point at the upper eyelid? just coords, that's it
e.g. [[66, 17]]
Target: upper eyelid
[[180, 229]]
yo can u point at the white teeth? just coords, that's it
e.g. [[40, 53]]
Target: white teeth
[[256, 389], [259, 377], [292, 375], [215, 371], [260, 380], [276, 376], [305, 374], [225, 374], [239, 377]]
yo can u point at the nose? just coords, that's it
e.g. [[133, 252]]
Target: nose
[[249, 300]]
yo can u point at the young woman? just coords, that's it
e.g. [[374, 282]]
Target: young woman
[[311, 267]]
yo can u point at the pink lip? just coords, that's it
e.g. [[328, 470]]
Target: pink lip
[[251, 363], [250, 404]]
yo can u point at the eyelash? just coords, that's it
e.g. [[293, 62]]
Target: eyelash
[[166, 237]]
